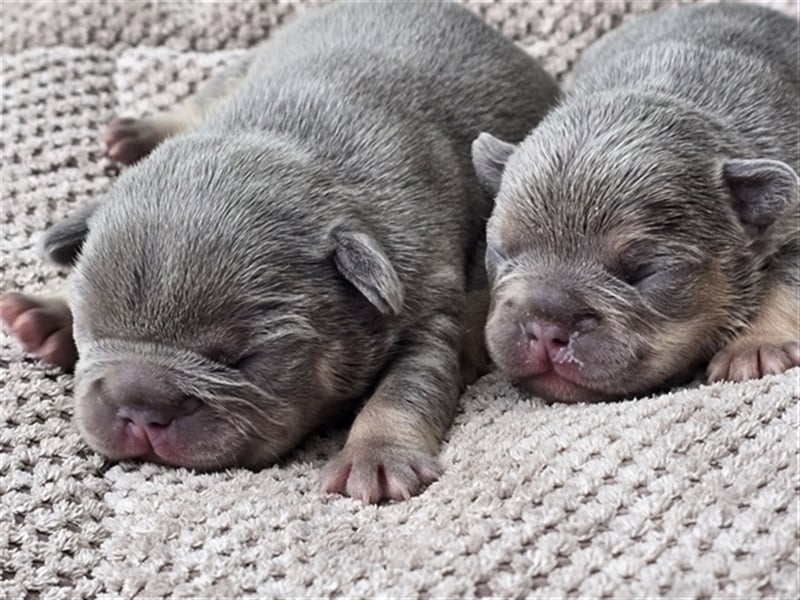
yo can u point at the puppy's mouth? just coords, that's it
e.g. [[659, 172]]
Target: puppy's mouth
[[155, 443], [558, 386], [194, 439], [566, 373]]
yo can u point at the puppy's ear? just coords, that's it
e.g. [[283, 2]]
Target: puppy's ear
[[62, 242], [361, 260], [489, 157], [761, 189]]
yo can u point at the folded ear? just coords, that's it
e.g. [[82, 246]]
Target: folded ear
[[62, 242], [761, 190], [489, 157], [361, 260]]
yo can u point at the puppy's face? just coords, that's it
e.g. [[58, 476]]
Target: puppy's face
[[622, 249], [221, 310]]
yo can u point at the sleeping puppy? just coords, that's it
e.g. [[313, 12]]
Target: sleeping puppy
[[650, 223], [293, 240]]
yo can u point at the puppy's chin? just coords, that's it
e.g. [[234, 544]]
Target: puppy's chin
[[552, 387]]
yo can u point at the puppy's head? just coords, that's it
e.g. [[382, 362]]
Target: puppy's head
[[624, 246], [222, 307]]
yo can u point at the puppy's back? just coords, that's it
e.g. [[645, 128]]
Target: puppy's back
[[424, 64], [747, 29], [737, 62]]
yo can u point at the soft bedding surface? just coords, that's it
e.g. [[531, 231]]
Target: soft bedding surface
[[690, 493]]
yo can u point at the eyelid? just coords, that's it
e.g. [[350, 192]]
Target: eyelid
[[225, 358], [663, 274], [641, 273], [218, 356], [245, 360]]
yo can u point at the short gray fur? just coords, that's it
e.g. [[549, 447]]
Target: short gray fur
[[307, 244], [671, 165]]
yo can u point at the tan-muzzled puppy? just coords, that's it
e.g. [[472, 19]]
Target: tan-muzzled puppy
[[301, 243], [649, 224]]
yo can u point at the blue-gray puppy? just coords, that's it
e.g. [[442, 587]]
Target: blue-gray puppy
[[301, 241], [649, 224]]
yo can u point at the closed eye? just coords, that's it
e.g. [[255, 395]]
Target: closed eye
[[662, 278], [247, 361], [640, 275], [230, 360], [218, 356]]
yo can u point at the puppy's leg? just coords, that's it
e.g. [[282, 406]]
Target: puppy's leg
[[391, 449], [770, 345], [42, 325], [130, 139]]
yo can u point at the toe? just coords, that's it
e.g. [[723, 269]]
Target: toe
[[402, 483], [744, 365], [12, 305], [719, 366], [128, 150], [427, 470], [333, 479], [364, 483], [59, 349], [792, 350], [33, 327], [128, 140], [773, 360]]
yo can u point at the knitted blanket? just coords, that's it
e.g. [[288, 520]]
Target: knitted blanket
[[689, 493]]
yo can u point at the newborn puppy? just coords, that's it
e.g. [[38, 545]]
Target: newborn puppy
[[302, 241], [650, 223]]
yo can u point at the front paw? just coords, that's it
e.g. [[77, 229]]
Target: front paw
[[740, 362], [376, 470]]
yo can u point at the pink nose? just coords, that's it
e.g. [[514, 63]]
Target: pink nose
[[151, 421], [550, 336], [146, 423]]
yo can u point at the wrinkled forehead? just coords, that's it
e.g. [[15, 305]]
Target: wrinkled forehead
[[557, 220], [588, 201], [175, 302], [615, 235]]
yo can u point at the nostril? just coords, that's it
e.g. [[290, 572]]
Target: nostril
[[551, 334], [145, 417], [135, 430], [158, 417], [534, 331]]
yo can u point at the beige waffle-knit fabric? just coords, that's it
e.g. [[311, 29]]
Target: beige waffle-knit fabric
[[692, 493]]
